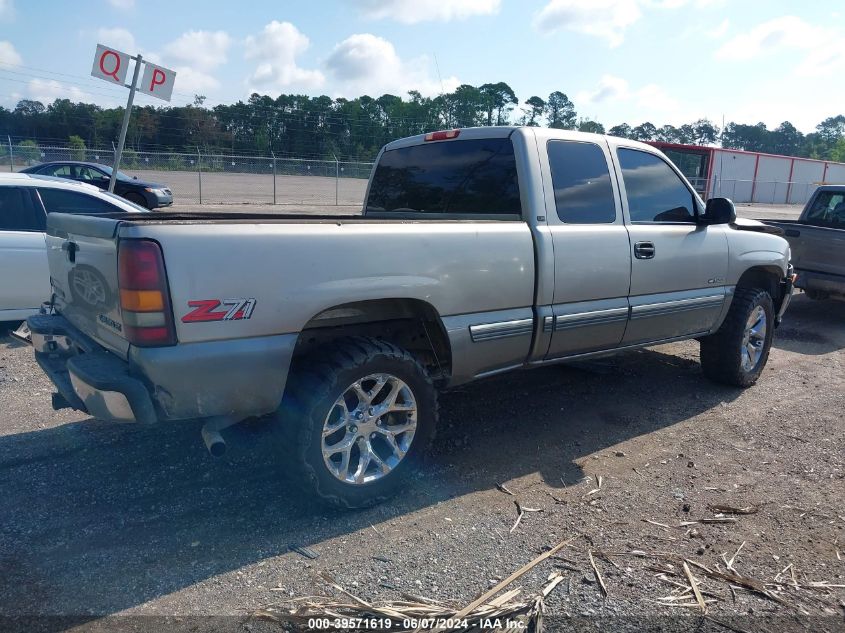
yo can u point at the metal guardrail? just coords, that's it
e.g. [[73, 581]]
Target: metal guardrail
[[202, 178]]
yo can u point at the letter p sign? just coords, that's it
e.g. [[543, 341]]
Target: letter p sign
[[157, 81]]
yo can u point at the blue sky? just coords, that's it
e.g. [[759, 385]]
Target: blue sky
[[664, 61]]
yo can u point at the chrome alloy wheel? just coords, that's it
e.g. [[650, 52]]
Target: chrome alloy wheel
[[369, 429], [754, 339]]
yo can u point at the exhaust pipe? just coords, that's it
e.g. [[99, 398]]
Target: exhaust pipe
[[214, 441]]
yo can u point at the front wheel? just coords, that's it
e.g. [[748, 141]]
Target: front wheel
[[356, 420], [138, 199], [737, 353]]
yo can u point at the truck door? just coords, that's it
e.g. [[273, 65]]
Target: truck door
[[678, 267], [592, 254]]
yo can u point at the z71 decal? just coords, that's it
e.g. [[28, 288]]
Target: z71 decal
[[219, 310]]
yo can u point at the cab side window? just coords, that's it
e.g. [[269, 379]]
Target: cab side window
[[581, 179], [17, 211], [61, 201], [655, 192]]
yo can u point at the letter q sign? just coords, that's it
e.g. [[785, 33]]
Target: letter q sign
[[110, 65]]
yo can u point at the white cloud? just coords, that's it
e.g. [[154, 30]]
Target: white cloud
[[46, 91], [823, 46], [119, 38], [367, 64], [275, 50], [201, 50], [7, 10], [605, 19], [414, 11], [122, 4], [194, 56], [719, 31], [611, 89], [8, 54]]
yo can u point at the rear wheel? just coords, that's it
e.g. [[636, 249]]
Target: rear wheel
[[138, 199], [737, 353], [356, 420]]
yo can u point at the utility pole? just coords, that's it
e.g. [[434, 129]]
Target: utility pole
[[125, 125]]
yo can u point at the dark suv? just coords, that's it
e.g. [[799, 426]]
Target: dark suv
[[145, 194]]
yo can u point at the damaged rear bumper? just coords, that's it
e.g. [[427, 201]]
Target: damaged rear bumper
[[86, 376]]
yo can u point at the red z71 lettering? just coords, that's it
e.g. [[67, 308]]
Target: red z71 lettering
[[205, 310]]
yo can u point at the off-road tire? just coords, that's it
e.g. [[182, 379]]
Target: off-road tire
[[315, 382], [721, 356]]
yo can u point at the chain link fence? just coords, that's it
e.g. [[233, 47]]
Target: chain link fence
[[757, 191], [229, 179]]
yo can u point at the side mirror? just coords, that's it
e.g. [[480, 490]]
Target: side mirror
[[134, 177], [719, 211]]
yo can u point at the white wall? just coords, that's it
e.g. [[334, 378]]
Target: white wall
[[733, 177]]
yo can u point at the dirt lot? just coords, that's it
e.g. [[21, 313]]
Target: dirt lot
[[102, 519]]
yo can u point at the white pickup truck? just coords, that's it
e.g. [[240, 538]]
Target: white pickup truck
[[479, 251]]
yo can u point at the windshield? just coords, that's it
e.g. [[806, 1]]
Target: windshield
[[120, 174]]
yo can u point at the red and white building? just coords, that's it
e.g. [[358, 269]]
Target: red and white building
[[752, 176]]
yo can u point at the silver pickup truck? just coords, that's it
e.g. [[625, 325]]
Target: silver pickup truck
[[817, 239], [479, 251]]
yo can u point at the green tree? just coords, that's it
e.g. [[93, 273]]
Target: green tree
[[704, 132], [536, 107], [644, 132], [560, 111], [787, 139], [498, 98], [838, 151], [77, 147], [623, 130], [585, 125]]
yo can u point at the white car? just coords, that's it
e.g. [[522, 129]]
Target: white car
[[25, 201]]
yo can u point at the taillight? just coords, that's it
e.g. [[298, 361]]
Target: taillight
[[445, 135], [144, 297]]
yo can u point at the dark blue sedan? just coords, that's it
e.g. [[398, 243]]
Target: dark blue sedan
[[145, 194]]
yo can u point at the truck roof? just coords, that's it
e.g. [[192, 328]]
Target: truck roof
[[500, 131]]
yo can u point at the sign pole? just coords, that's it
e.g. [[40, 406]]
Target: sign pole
[[125, 125]]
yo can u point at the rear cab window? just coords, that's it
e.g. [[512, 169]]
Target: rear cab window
[[472, 177], [655, 192]]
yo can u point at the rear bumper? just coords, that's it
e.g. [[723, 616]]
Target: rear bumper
[[822, 282], [235, 378], [88, 377], [786, 288]]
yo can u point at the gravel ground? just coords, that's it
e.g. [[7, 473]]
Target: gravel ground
[[101, 518]]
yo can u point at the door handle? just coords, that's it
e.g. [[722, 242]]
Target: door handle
[[792, 232], [644, 250]]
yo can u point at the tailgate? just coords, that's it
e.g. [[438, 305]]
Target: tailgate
[[82, 255]]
